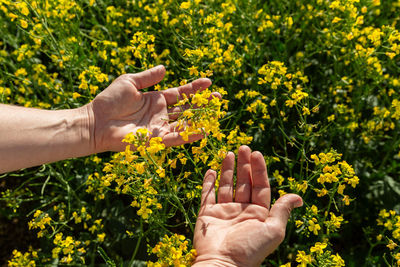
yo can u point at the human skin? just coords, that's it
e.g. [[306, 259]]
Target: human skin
[[30, 137], [241, 228]]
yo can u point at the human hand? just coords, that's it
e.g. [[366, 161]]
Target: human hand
[[240, 232], [121, 108]]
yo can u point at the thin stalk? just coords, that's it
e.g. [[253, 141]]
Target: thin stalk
[[137, 243]]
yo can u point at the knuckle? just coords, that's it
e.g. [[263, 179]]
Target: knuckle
[[128, 79], [123, 77]]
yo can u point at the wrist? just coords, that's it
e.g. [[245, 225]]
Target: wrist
[[78, 129], [213, 260], [88, 128]]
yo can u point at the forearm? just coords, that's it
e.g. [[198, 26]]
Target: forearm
[[30, 137]]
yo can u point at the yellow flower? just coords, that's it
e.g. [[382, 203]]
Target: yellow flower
[[188, 113], [93, 89], [101, 237], [37, 213], [193, 71], [336, 20], [314, 209], [306, 111], [68, 259], [185, 135], [75, 95], [341, 188], [24, 23], [337, 260], [140, 167], [21, 72], [315, 158], [281, 193], [161, 172], [318, 248], [331, 118], [155, 145], [313, 226], [346, 200], [391, 245], [185, 5], [200, 100], [303, 258], [321, 192]]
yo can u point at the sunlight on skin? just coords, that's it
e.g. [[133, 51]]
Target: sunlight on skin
[[245, 230]]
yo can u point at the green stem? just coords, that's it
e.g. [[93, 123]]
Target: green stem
[[184, 213], [137, 243]]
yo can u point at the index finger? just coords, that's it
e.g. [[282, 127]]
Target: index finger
[[147, 78], [208, 191]]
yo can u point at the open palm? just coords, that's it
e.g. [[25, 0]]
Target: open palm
[[122, 108], [244, 232]]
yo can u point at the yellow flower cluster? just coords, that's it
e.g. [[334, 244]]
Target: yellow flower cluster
[[338, 175], [127, 174], [90, 77], [203, 116], [27, 259], [318, 256], [143, 44], [275, 75], [69, 249], [173, 250], [39, 221], [389, 224]]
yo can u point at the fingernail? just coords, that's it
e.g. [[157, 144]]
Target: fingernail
[[298, 203]]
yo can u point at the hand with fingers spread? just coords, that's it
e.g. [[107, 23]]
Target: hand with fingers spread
[[122, 108], [53, 135], [240, 229]]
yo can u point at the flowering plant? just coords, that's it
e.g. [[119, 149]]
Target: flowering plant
[[313, 85]]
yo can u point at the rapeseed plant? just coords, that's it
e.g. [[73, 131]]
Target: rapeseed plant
[[311, 84]]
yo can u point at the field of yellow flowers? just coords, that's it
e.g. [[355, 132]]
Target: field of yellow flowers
[[314, 85]]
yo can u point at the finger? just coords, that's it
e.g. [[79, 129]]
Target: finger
[[175, 139], [243, 183], [215, 94], [225, 190], [173, 95], [261, 190], [148, 77], [280, 211], [208, 191]]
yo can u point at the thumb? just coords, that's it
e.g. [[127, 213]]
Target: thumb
[[280, 211], [148, 77]]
